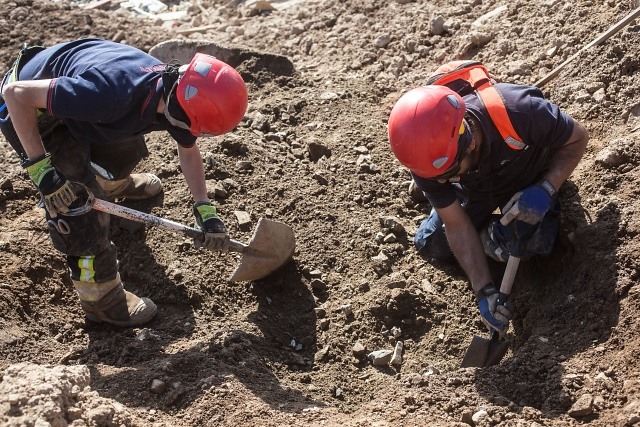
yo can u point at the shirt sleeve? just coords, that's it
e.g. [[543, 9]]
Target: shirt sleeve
[[86, 97], [548, 126], [439, 195]]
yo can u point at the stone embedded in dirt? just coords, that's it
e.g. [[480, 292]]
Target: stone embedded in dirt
[[318, 286], [478, 416], [380, 357], [358, 349], [390, 238], [158, 386], [396, 358], [392, 224], [614, 155], [219, 191], [436, 26], [317, 150], [582, 407], [346, 309], [243, 218], [320, 178], [6, 184]]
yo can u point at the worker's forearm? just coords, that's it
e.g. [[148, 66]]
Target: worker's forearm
[[567, 157], [25, 121], [467, 248], [193, 171]]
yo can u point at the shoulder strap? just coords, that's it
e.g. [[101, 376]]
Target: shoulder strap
[[493, 102]]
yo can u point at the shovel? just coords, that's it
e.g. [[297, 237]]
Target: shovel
[[483, 352], [270, 247]]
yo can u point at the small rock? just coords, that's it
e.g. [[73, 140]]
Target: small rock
[[243, 218], [582, 407], [158, 386], [479, 415], [359, 349], [396, 359], [380, 357], [318, 285]]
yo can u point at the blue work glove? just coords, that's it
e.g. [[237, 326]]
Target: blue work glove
[[529, 205], [495, 308], [56, 190], [215, 236]]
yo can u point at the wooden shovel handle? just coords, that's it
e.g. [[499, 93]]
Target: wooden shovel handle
[[509, 274]]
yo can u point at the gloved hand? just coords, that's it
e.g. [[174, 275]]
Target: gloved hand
[[56, 190], [215, 233], [529, 205], [495, 308]]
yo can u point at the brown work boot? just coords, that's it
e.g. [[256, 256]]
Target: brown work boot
[[137, 186], [120, 308]]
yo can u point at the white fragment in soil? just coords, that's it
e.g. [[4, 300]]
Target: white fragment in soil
[[158, 386], [243, 218], [479, 415], [346, 309], [380, 357], [390, 238], [543, 339], [396, 332], [396, 359], [431, 370]]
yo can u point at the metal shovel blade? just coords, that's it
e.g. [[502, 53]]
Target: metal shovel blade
[[476, 353], [483, 352], [270, 247]]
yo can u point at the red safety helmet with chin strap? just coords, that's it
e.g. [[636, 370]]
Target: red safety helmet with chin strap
[[212, 94], [424, 127]]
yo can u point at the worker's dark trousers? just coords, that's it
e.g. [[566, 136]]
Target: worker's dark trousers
[[526, 239], [84, 239]]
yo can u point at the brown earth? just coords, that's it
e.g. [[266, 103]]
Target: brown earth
[[315, 140]]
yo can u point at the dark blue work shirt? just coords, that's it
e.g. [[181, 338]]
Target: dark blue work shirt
[[103, 91], [503, 171]]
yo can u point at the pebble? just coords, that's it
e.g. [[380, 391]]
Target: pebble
[[582, 407], [380, 357], [396, 359], [158, 386]]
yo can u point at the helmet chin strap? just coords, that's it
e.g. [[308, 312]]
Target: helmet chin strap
[[170, 78]]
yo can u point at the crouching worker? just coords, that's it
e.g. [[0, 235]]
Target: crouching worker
[[467, 166], [78, 111]]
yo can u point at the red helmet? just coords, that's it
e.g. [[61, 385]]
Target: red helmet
[[424, 127], [212, 94]]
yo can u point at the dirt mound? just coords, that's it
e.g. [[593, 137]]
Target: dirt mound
[[312, 152]]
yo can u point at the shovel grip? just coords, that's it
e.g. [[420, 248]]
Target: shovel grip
[[145, 218]]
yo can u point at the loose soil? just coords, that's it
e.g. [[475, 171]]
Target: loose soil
[[312, 152]]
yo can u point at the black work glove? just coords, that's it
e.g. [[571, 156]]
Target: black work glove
[[215, 236], [56, 190], [495, 308]]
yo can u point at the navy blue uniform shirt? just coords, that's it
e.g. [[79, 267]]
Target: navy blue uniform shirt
[[103, 91], [502, 170]]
